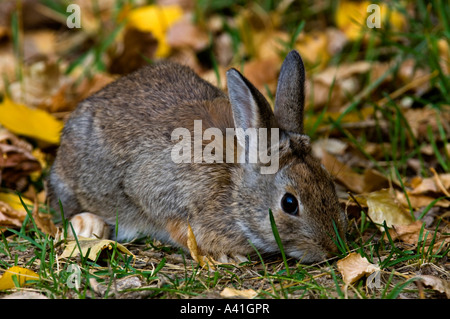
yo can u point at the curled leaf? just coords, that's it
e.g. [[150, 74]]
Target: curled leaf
[[94, 246], [354, 266], [441, 285]]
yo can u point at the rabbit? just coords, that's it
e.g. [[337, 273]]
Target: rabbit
[[114, 160]]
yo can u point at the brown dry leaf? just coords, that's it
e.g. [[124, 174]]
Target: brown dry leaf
[[420, 119], [15, 164], [262, 72], [354, 266], [438, 284], [419, 200], [42, 81], [94, 84], [44, 221], [186, 34], [12, 212], [16, 160], [438, 184], [410, 234], [93, 245], [342, 79], [211, 77], [8, 65], [330, 145], [138, 46], [382, 206], [10, 217], [235, 293], [358, 183], [195, 253], [343, 173]]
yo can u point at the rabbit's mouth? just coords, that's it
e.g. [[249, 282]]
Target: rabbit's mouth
[[309, 253]]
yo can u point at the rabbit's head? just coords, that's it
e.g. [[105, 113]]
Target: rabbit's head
[[295, 186]]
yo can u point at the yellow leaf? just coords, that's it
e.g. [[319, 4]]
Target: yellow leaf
[[95, 246], [314, 48], [351, 17], [35, 123], [13, 200], [157, 20], [22, 274], [195, 252], [193, 248]]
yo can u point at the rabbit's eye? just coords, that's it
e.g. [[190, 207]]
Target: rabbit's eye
[[289, 204]]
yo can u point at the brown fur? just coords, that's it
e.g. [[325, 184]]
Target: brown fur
[[114, 158]]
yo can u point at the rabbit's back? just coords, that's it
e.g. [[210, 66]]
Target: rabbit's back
[[115, 152]]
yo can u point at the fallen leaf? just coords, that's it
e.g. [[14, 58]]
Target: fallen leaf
[[24, 295], [382, 206], [419, 200], [34, 123], [44, 221], [333, 85], [138, 48], [23, 275], [313, 48], [262, 73], [18, 160], [16, 163], [410, 234], [195, 252], [235, 293], [371, 180], [437, 185], [10, 217], [95, 246], [438, 284], [43, 86], [13, 201], [351, 17], [184, 33], [354, 266], [343, 173], [157, 20]]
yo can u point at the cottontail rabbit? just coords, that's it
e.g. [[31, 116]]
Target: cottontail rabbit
[[116, 158]]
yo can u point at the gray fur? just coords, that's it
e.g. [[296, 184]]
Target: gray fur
[[114, 157]]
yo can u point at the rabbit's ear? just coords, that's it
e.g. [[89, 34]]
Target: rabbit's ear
[[290, 95], [250, 108]]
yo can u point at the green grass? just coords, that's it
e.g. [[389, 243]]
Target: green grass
[[172, 274]]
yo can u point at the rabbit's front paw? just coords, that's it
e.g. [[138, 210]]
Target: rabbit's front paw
[[89, 225]]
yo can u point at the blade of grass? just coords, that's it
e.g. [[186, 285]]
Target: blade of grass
[[278, 240]]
